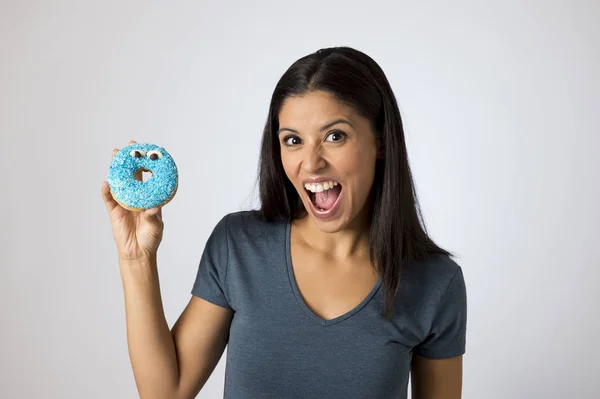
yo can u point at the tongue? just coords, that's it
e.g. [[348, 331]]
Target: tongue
[[326, 199]]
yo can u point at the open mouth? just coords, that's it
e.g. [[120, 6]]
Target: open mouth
[[143, 174], [323, 197]]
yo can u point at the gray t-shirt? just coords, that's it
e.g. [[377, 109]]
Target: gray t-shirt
[[278, 348]]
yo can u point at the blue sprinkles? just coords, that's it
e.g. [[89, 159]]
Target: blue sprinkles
[[133, 193]]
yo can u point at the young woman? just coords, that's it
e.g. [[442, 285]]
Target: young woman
[[332, 289]]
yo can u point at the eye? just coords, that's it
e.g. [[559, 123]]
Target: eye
[[290, 141], [336, 133], [154, 155], [137, 153]]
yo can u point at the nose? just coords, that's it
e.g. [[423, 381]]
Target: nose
[[313, 160]]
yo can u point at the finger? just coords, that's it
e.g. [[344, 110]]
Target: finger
[[151, 215], [159, 214], [114, 152], [132, 142], [109, 201]]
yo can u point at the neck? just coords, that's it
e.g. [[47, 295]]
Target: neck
[[349, 243]]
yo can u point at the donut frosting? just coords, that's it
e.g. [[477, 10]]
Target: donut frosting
[[135, 194]]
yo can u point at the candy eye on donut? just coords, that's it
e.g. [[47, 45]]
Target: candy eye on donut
[[137, 153], [154, 155]]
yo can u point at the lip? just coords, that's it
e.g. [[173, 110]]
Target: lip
[[323, 215]]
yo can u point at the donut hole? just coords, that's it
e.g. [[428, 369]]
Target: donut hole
[[142, 174]]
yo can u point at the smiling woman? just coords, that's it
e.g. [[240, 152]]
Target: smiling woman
[[319, 151], [332, 289], [334, 118]]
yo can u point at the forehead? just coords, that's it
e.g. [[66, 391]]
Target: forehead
[[314, 108]]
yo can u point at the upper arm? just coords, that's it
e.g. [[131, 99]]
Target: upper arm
[[202, 331], [436, 378], [200, 336], [437, 361]]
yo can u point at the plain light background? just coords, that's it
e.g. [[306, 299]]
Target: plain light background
[[500, 105]]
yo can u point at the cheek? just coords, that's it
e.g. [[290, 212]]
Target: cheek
[[359, 165], [288, 165], [360, 172]]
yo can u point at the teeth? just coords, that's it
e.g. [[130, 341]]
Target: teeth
[[320, 187]]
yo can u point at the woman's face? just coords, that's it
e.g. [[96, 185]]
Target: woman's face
[[328, 152]]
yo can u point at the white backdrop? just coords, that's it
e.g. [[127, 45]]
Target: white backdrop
[[499, 101]]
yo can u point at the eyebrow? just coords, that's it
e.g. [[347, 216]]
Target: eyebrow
[[325, 127]]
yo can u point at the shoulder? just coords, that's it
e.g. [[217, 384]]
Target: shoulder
[[430, 279], [247, 226], [437, 268], [249, 221]]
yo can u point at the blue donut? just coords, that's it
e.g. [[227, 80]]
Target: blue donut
[[136, 195]]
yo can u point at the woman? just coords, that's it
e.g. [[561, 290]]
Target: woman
[[332, 289]]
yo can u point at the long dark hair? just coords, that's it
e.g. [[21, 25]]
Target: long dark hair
[[397, 233]]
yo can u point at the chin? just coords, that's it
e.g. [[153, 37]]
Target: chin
[[329, 226]]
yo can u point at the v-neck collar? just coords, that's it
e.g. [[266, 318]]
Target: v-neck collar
[[300, 300]]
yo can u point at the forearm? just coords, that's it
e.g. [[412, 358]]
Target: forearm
[[151, 347]]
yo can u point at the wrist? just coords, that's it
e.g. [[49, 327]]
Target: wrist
[[144, 260]]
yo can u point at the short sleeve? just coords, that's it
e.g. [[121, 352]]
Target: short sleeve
[[447, 337], [212, 271]]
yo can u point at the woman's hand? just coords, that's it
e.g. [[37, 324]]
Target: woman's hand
[[137, 234]]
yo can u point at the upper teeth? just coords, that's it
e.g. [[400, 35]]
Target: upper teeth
[[319, 187]]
